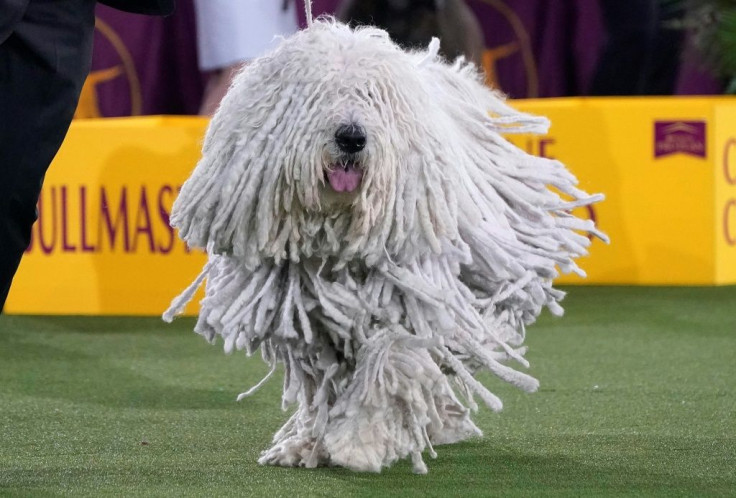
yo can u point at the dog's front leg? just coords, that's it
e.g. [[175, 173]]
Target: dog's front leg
[[396, 403]]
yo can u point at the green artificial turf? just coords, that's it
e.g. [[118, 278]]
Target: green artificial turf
[[638, 397]]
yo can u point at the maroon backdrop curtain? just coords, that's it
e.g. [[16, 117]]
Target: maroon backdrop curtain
[[534, 48]]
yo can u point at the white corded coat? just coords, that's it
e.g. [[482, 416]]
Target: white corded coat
[[383, 308]]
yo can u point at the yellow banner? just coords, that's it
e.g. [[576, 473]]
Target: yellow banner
[[669, 207], [724, 164], [103, 245]]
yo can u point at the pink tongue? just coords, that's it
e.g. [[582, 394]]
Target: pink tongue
[[345, 179]]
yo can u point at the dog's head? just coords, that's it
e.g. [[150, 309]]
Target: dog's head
[[339, 143]]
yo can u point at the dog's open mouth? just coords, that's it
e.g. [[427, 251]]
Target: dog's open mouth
[[344, 177]]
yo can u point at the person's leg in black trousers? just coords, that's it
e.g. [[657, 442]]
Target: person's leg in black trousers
[[44, 59], [631, 27]]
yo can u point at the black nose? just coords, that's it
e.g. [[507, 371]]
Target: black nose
[[350, 138]]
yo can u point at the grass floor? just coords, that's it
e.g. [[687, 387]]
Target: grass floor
[[638, 397]]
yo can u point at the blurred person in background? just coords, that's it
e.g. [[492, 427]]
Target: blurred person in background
[[642, 50], [45, 55], [232, 32], [413, 23]]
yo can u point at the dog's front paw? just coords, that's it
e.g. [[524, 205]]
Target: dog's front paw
[[359, 443], [294, 445], [295, 450]]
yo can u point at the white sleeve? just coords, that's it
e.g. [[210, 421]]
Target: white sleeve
[[233, 31]]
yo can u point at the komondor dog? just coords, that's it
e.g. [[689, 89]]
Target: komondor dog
[[369, 228]]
